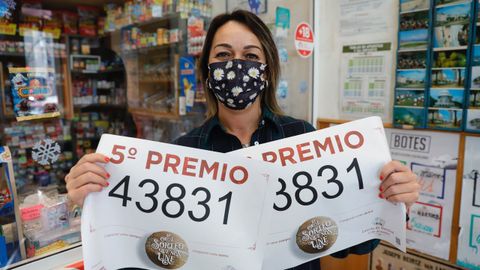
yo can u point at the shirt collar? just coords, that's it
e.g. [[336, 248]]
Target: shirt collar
[[214, 122]]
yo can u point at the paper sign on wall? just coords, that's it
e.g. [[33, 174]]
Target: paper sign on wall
[[365, 80], [432, 156], [327, 186], [385, 257], [469, 238]]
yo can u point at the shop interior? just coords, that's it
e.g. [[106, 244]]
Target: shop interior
[[130, 68]]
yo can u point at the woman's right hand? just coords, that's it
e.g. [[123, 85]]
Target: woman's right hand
[[86, 177]]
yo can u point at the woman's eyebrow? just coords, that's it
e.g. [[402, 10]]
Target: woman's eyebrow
[[251, 47], [223, 45]]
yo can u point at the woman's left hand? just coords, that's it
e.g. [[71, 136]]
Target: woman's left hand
[[399, 184]]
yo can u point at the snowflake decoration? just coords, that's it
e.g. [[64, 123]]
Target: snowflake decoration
[[46, 152]]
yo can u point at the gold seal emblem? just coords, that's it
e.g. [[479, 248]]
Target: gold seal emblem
[[166, 250], [317, 235]]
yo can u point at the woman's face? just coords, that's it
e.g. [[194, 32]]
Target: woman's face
[[234, 40]]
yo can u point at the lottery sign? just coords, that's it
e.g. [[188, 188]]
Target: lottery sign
[[176, 207], [327, 186]]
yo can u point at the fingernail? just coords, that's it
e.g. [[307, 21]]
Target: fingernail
[[107, 159], [107, 184], [381, 188], [381, 177], [108, 175], [380, 196]]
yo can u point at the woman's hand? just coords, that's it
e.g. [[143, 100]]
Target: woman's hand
[[86, 177], [399, 184]]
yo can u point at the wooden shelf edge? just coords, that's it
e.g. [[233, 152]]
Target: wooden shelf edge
[[325, 122], [153, 113]]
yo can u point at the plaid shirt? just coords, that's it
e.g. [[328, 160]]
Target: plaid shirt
[[212, 136]]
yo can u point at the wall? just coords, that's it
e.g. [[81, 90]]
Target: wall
[[328, 51]]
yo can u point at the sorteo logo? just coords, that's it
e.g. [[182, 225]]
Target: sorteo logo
[[317, 235], [167, 250], [416, 143]]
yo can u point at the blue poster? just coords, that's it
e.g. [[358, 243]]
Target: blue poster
[[187, 80], [282, 17]]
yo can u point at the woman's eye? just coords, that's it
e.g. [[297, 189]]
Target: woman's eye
[[222, 55], [252, 56]]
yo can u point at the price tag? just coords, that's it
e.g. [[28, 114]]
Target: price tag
[[174, 207], [326, 197]]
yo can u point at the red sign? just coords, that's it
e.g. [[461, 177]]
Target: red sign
[[304, 39]]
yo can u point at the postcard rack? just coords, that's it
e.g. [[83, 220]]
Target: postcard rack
[[438, 66]]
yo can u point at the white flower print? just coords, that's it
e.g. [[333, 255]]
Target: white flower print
[[239, 66], [223, 85], [236, 90], [249, 89], [253, 96], [232, 105], [231, 75], [246, 78], [230, 100], [253, 72], [241, 101], [262, 86], [263, 66], [254, 83], [220, 98], [229, 64], [248, 105], [218, 74], [216, 87]]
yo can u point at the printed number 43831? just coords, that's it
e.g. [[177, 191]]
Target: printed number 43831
[[308, 188], [171, 199]]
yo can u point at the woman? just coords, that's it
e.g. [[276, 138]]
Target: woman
[[240, 67]]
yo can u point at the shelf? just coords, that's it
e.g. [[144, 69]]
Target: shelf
[[28, 146], [92, 107], [8, 54], [84, 72], [156, 81], [113, 70], [200, 100], [415, 10], [164, 18], [12, 54], [153, 113], [96, 72], [441, 49], [147, 50]]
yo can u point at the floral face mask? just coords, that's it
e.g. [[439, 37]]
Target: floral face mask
[[237, 83]]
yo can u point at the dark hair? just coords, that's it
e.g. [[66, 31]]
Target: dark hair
[[261, 31]]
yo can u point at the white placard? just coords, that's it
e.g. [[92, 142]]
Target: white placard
[[469, 238], [433, 157], [327, 193], [365, 77], [364, 17], [176, 207]]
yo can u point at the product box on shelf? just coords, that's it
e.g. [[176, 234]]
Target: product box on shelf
[[49, 222], [10, 249]]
